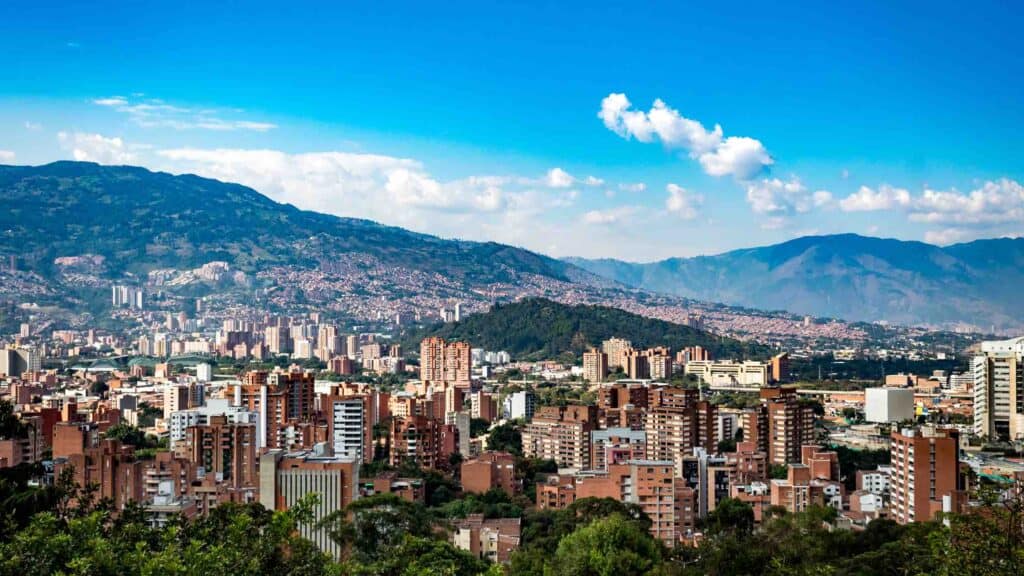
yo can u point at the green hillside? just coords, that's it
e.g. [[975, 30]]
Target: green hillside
[[537, 328]]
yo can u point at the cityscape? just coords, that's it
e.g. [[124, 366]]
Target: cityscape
[[258, 316]]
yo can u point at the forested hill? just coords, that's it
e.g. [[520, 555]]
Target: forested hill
[[536, 328]]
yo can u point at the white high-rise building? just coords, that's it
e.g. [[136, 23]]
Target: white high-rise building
[[520, 405], [998, 395], [348, 426]]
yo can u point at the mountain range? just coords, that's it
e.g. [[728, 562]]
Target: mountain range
[[848, 276], [74, 228]]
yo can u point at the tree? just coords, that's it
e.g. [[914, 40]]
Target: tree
[[506, 438], [373, 527], [418, 556], [478, 427], [731, 515], [612, 546]]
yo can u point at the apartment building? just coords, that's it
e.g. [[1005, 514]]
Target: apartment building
[[999, 390], [925, 477], [562, 434]]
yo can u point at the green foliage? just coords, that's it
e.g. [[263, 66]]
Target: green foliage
[[537, 328], [851, 460], [494, 503], [10, 425], [128, 434], [478, 427], [612, 546], [730, 515], [506, 438], [543, 530], [778, 471]]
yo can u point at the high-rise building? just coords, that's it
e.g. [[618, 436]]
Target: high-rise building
[[562, 434], [637, 365], [652, 485], [790, 424], [225, 449], [284, 402], [276, 339], [999, 390], [176, 398], [445, 362], [428, 442], [676, 422], [17, 361], [926, 475], [595, 365], [779, 368], [349, 430], [520, 405], [616, 349], [286, 478]]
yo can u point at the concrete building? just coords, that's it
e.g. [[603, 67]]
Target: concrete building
[[616, 349], [180, 421], [285, 478], [998, 390], [488, 471], [595, 365], [729, 374], [888, 404], [562, 434], [926, 477], [226, 450], [285, 404], [780, 426], [520, 405], [492, 539], [349, 429], [619, 445], [450, 362]]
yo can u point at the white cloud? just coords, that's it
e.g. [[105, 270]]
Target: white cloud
[[593, 181], [113, 101], [682, 202], [96, 148], [6, 156], [609, 216], [558, 178], [992, 203], [867, 199], [741, 157], [946, 236], [778, 199], [632, 186], [155, 113], [33, 126]]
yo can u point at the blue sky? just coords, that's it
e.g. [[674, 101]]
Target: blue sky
[[481, 120]]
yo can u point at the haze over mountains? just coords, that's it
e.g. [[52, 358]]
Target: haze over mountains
[[848, 276], [77, 225]]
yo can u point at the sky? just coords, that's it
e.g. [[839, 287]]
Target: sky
[[637, 131]]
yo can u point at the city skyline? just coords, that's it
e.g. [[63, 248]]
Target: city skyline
[[563, 131]]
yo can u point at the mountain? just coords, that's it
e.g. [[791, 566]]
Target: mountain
[[73, 229], [538, 328], [139, 220], [848, 276]]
